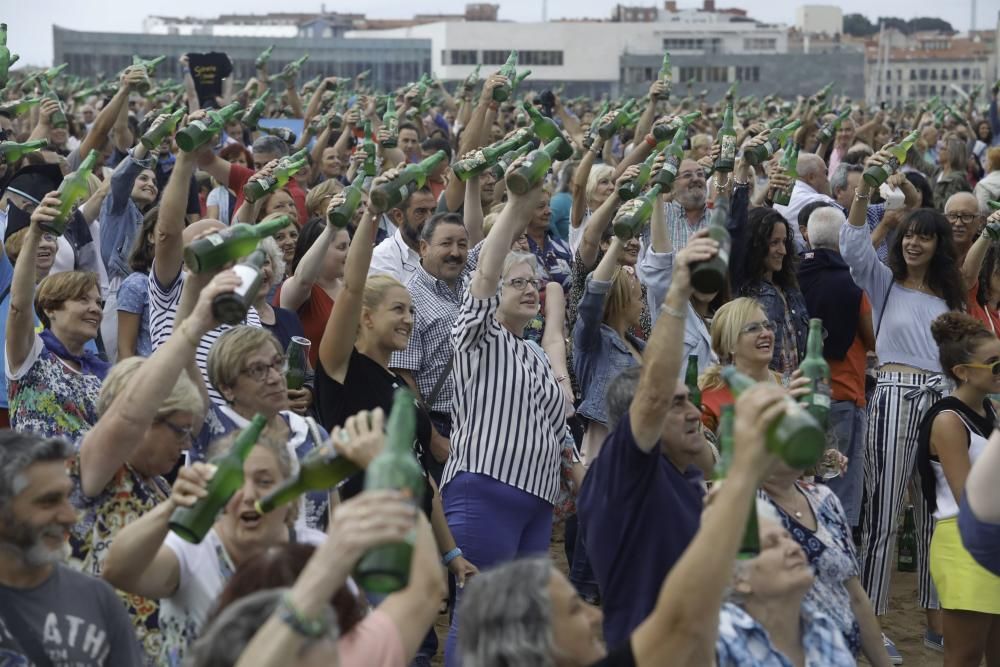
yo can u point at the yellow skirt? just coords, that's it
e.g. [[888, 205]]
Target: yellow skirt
[[962, 583]]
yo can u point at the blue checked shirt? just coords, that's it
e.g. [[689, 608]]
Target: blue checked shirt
[[743, 642]]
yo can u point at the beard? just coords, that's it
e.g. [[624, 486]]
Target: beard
[[26, 543]]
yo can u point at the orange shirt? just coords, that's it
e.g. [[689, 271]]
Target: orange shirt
[[847, 376], [712, 401]]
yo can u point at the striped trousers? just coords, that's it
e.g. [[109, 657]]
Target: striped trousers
[[897, 405]]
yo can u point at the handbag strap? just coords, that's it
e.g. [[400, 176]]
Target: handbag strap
[[439, 385], [885, 303], [27, 639]]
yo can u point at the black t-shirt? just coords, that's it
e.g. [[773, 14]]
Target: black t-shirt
[[620, 657], [208, 70], [366, 386]]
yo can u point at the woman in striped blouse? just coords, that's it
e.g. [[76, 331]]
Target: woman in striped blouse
[[502, 475]]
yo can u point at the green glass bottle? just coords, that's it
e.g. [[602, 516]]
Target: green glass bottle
[[258, 188], [264, 56], [630, 189], [906, 550], [341, 216], [390, 120], [610, 127], [291, 70], [876, 175], [666, 131], [823, 92], [13, 151], [200, 132], [253, 115], [58, 118], [322, 468], [519, 79], [369, 147], [509, 70], [710, 276], [691, 380], [829, 130], [789, 164], [232, 307], [666, 76], [674, 153], [532, 171], [815, 368], [484, 158], [794, 436], [633, 215], [6, 58], [230, 244], [472, 80], [193, 523], [411, 178], [149, 66], [386, 569], [297, 356], [761, 153], [507, 159], [545, 128], [71, 190], [51, 73], [726, 161], [588, 140], [994, 205], [726, 424], [750, 547], [155, 136]]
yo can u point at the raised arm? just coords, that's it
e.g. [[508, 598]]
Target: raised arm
[[683, 626], [554, 339], [296, 288], [662, 356], [113, 439], [169, 241], [472, 211], [645, 124], [21, 317], [579, 185], [977, 253], [593, 231], [107, 117]]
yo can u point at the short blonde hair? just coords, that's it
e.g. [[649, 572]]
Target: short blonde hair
[[58, 288], [597, 173], [620, 294], [376, 288], [515, 257], [14, 243], [993, 159], [729, 319], [184, 397], [225, 359], [316, 198]]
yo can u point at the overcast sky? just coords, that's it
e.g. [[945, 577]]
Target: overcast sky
[[30, 21]]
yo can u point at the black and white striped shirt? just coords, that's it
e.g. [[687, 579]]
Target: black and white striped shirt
[[163, 303], [508, 410]]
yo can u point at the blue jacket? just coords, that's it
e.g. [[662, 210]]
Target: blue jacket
[[599, 353], [121, 219]]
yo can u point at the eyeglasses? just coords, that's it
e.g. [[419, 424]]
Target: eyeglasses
[[754, 328], [964, 218], [521, 284], [182, 432], [258, 371], [994, 367]]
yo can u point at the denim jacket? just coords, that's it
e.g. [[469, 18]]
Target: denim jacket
[[599, 353], [774, 307], [120, 218]]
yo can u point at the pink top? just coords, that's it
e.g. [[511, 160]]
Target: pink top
[[374, 642]]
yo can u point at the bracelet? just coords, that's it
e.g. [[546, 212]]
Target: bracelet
[[312, 628], [673, 312], [859, 195], [650, 141], [563, 378], [450, 556]]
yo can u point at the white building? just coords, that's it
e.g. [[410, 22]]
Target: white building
[[819, 20], [162, 25]]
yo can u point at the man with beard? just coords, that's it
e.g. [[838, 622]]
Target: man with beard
[[687, 213], [399, 255], [50, 614]]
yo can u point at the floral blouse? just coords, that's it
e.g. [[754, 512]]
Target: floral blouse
[[830, 550], [126, 497]]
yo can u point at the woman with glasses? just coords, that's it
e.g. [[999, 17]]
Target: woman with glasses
[[509, 412], [921, 282], [247, 366], [148, 410], [952, 436], [743, 337]]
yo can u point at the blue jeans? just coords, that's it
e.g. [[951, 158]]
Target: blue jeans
[[580, 573], [848, 424], [492, 523]]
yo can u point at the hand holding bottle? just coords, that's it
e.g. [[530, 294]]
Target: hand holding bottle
[[132, 77], [368, 520], [382, 178], [700, 248], [992, 228], [201, 318], [756, 409], [46, 110], [657, 89], [492, 81], [191, 485], [628, 175], [362, 437], [529, 199], [777, 181]]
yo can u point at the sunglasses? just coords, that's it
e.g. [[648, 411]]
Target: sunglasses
[[994, 367]]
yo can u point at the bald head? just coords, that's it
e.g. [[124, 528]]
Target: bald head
[[963, 202], [812, 170], [962, 211]]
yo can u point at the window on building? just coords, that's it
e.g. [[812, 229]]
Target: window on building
[[933, 90], [888, 75], [922, 89], [944, 75], [954, 74], [551, 58], [913, 75], [495, 57], [899, 91], [976, 74], [923, 75], [933, 75], [690, 74], [760, 44], [461, 57], [965, 72], [748, 73]]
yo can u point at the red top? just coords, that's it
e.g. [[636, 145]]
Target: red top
[[313, 314], [847, 376], [238, 177]]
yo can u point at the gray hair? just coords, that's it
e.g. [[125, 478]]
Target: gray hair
[[957, 154], [810, 164], [222, 643], [824, 227], [273, 252], [516, 257], [839, 179], [18, 452], [507, 616], [270, 145], [427, 232], [621, 391]]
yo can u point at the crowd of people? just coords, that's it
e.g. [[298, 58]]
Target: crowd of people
[[551, 347]]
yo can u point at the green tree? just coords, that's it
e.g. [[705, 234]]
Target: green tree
[[858, 25]]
